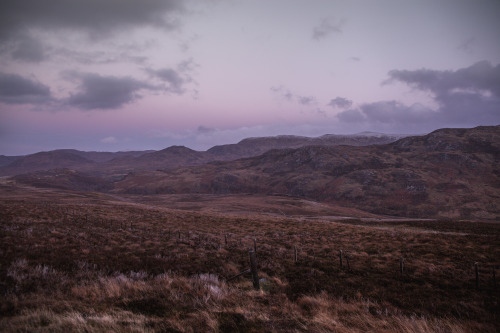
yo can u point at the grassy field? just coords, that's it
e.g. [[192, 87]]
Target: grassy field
[[74, 261]]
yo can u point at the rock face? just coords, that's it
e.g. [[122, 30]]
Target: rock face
[[449, 173]]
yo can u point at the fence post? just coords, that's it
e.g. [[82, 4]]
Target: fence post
[[494, 279], [255, 245], [477, 274], [225, 240], [253, 269]]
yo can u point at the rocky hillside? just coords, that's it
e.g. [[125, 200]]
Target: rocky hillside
[[257, 146], [451, 173]]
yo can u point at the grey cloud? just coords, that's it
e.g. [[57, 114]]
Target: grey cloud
[[283, 92], [480, 76], [205, 130], [177, 78], [466, 97], [98, 18], [351, 116], [29, 49], [15, 89], [326, 27], [289, 96], [170, 76], [306, 100], [469, 94], [104, 92], [388, 112], [96, 57], [340, 102], [396, 112]]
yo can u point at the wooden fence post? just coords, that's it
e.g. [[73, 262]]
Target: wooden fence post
[[253, 269], [477, 274], [494, 279], [255, 245]]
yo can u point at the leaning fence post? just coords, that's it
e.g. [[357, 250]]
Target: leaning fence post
[[255, 245], [477, 274], [253, 269]]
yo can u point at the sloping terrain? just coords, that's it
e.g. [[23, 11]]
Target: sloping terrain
[[92, 262], [6, 160], [116, 165], [66, 179], [58, 159], [257, 146], [45, 161], [449, 173]]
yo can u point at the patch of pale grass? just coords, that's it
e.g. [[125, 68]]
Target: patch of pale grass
[[43, 320]]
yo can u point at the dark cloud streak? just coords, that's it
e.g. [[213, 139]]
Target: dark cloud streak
[[15, 89], [98, 18], [104, 92], [340, 102]]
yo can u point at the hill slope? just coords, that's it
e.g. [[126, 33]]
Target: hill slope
[[257, 146], [118, 164], [447, 173]]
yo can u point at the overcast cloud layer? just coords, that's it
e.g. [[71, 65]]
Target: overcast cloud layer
[[132, 74]]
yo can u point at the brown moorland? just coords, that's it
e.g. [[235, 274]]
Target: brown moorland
[[86, 261]]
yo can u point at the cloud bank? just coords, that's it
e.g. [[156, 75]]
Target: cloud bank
[[466, 96], [104, 92], [98, 18], [15, 89]]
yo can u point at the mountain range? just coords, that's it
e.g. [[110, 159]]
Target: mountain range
[[119, 163], [449, 173]]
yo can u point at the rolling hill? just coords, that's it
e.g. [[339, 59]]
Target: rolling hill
[[452, 173], [118, 164]]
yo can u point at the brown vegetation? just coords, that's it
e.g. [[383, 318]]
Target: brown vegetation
[[450, 173], [75, 261]]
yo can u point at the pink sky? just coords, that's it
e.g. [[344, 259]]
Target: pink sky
[[147, 75]]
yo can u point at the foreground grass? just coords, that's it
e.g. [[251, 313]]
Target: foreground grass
[[137, 302], [81, 263]]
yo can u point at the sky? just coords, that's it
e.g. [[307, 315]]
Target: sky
[[114, 75]]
